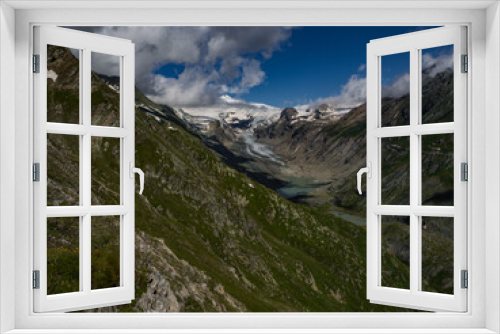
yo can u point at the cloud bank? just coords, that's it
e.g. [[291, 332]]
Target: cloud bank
[[214, 60]]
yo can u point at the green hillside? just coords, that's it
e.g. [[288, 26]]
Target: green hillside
[[208, 238]]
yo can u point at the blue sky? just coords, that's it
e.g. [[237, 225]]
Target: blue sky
[[279, 66], [315, 62]]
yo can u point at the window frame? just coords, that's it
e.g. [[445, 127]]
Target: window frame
[[85, 297], [298, 13], [414, 44]]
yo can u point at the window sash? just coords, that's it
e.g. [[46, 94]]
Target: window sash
[[86, 297], [414, 43]]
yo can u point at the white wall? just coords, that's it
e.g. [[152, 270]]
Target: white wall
[[7, 164], [280, 17], [492, 147]]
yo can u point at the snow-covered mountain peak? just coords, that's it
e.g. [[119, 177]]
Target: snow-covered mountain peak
[[241, 115]]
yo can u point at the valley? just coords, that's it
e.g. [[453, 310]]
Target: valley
[[236, 215], [292, 149]]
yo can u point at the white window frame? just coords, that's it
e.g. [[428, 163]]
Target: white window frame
[[484, 311], [124, 50], [414, 43]]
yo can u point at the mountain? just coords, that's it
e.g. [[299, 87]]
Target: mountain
[[236, 117], [315, 161], [332, 152], [208, 237]]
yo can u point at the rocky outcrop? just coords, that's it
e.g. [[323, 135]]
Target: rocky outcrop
[[288, 114], [221, 132], [174, 285]]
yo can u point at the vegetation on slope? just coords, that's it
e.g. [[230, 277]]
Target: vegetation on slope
[[208, 238]]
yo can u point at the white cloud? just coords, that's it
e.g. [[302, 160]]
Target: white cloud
[[438, 64], [219, 60], [192, 87], [430, 65], [353, 93], [155, 46], [252, 75], [219, 47], [399, 87], [213, 60], [105, 64]]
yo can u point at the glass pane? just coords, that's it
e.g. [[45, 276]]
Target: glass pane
[[437, 169], [63, 255], [105, 171], [395, 89], [105, 256], [437, 84], [437, 254], [63, 170], [395, 232], [105, 96], [63, 85], [395, 171]]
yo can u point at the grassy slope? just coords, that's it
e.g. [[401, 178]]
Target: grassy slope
[[221, 241], [217, 219], [343, 152], [437, 158], [437, 181]]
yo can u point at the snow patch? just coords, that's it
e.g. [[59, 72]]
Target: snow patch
[[116, 88], [231, 111], [51, 74]]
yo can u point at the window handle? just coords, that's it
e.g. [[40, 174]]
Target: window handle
[[368, 171], [141, 175]]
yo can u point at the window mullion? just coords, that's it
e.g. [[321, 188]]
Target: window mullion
[[81, 186], [122, 178], [414, 172], [86, 165]]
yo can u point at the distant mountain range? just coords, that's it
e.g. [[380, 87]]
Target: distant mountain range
[[327, 146], [240, 115]]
